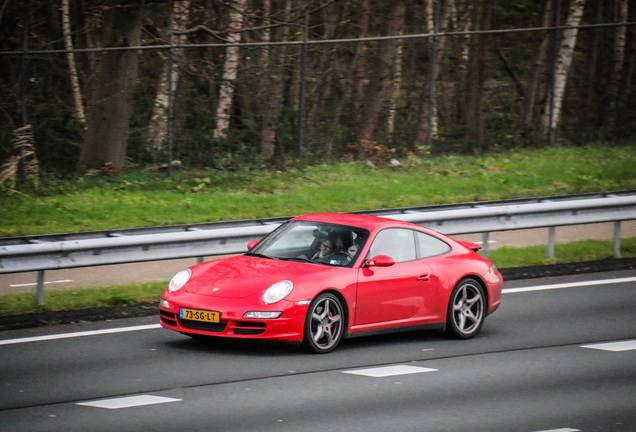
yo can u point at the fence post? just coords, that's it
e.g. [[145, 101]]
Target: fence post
[[484, 244], [617, 239], [551, 236], [39, 295]]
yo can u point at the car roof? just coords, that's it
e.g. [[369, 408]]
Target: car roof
[[358, 220]]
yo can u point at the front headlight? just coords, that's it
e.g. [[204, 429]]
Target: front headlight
[[277, 292], [179, 280]]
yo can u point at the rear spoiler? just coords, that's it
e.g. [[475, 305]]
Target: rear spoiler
[[469, 245]]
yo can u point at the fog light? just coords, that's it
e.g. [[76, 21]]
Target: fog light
[[164, 304], [262, 315]]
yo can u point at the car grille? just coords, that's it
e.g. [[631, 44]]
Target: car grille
[[204, 326], [168, 318], [249, 328]]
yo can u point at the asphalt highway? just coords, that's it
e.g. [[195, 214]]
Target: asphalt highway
[[559, 355]]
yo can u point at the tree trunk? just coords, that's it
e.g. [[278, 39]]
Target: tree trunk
[[620, 39], [564, 60], [70, 57], [378, 89], [359, 66], [230, 69], [275, 82], [322, 88], [472, 120], [428, 99], [158, 127], [396, 85], [110, 103], [538, 71], [464, 23]]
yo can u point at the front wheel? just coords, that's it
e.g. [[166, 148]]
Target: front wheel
[[466, 309], [324, 324]]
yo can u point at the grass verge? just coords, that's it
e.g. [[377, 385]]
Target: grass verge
[[16, 304], [142, 198]]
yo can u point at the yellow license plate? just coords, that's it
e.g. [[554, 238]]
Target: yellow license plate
[[200, 315]]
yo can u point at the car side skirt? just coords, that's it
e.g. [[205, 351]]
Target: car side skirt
[[353, 333]]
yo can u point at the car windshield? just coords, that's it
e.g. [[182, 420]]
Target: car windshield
[[316, 242]]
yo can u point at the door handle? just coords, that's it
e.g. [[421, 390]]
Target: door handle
[[423, 278]]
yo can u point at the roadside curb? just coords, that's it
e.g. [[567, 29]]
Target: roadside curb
[[540, 271], [40, 319]]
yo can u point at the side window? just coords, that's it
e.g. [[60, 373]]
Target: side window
[[397, 243], [429, 246]]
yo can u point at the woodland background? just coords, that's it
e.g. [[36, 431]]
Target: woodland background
[[105, 85]]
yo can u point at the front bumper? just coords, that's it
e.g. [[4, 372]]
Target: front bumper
[[288, 327]]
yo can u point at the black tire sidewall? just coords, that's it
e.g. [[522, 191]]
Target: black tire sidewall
[[308, 342], [451, 327]]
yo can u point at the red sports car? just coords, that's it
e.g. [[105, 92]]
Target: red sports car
[[319, 278]]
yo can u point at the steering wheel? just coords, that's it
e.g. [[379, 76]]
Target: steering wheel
[[346, 254]]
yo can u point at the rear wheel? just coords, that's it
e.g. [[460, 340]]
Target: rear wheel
[[466, 309], [324, 324]]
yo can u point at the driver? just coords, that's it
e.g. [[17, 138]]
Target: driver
[[327, 247]]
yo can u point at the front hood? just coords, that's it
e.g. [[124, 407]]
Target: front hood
[[243, 276]]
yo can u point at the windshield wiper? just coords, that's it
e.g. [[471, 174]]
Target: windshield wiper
[[259, 255], [296, 259], [299, 259]]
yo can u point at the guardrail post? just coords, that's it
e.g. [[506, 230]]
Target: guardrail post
[[484, 244], [551, 236], [39, 295], [617, 239]]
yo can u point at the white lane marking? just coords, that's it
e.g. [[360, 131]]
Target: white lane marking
[[78, 334], [154, 326], [568, 285], [562, 430], [627, 345], [387, 371], [129, 401], [45, 283]]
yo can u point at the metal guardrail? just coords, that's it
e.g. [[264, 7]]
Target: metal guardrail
[[5, 241], [202, 240]]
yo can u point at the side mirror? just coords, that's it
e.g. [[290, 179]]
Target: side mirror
[[380, 261], [251, 244]]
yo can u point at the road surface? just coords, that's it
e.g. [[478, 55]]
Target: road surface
[[559, 355]]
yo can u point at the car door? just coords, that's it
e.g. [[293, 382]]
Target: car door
[[396, 292]]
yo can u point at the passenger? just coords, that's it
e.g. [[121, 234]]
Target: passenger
[[353, 249]]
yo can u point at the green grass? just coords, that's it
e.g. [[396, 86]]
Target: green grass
[[589, 250], [141, 198], [15, 304]]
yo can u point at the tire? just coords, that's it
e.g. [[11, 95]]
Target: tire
[[466, 309], [324, 324]]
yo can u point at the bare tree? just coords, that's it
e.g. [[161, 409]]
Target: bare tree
[[472, 115], [538, 71], [396, 85], [274, 82], [552, 113], [377, 90], [158, 129], [70, 57], [620, 40], [109, 107], [230, 68], [428, 99]]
